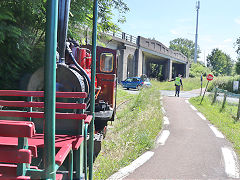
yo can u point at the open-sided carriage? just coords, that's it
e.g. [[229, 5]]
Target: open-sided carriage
[[48, 131]]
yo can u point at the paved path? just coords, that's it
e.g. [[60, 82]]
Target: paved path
[[189, 147]]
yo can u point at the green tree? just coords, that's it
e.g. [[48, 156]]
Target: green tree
[[184, 46], [237, 44], [219, 62], [22, 32], [237, 65], [197, 69], [156, 71]]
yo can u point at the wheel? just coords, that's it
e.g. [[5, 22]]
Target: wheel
[[97, 149], [127, 88]]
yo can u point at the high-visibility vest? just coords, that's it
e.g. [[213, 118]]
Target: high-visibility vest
[[177, 81]]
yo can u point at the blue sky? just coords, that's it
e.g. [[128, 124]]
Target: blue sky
[[165, 20]]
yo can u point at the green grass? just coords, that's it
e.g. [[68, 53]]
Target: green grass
[[123, 95], [188, 84], [223, 119], [132, 133]]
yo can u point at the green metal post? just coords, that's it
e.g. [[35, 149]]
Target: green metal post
[[79, 159], [70, 171], [85, 150], [50, 89], [93, 74], [30, 99]]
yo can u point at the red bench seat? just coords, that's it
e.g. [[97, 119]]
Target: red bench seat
[[37, 141], [7, 171]]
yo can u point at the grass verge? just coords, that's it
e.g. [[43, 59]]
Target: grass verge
[[133, 132], [188, 84], [223, 119]]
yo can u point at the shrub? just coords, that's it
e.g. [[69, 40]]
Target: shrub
[[223, 82], [197, 69]]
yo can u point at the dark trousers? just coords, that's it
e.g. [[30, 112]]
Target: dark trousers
[[177, 91]]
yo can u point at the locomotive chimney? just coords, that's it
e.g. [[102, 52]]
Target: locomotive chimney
[[63, 9]]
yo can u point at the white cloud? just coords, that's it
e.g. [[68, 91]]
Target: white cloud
[[174, 32], [228, 40], [237, 20]]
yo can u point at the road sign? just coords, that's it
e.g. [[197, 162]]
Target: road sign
[[235, 85], [209, 77]]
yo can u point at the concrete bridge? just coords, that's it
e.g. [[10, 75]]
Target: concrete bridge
[[137, 54]]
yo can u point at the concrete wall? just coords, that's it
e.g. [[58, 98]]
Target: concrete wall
[[126, 58], [160, 48], [135, 56]]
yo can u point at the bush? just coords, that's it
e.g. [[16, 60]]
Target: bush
[[223, 82], [197, 69]]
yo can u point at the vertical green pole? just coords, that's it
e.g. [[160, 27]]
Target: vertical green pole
[[50, 89], [93, 74], [70, 171], [30, 99]]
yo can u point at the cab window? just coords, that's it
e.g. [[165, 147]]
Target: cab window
[[129, 80], [106, 62], [135, 80]]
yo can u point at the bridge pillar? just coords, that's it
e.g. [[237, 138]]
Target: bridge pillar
[[122, 65], [140, 62], [186, 70], [126, 63], [168, 70]]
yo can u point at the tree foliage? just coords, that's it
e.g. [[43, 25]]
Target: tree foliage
[[197, 69], [237, 44], [185, 46], [156, 71], [22, 32], [219, 62], [20, 37], [237, 65]]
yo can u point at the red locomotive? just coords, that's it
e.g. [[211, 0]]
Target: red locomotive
[[74, 75]]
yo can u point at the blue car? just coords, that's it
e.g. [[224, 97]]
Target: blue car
[[133, 82]]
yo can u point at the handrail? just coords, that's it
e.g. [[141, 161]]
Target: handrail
[[123, 35]]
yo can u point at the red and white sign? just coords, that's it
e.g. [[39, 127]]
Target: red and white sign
[[209, 77]]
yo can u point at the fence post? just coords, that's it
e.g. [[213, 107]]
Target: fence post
[[224, 99], [215, 96], [238, 112]]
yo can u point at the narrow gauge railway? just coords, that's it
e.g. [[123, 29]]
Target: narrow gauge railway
[[55, 128]]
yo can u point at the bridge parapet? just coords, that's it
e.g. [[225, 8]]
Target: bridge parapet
[[160, 48], [147, 43]]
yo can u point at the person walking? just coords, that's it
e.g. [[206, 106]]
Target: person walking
[[178, 84]]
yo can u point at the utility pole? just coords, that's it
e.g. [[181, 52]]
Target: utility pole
[[196, 36]]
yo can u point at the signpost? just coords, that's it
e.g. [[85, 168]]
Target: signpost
[[235, 85], [201, 84], [209, 78]]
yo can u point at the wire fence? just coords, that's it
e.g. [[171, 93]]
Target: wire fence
[[228, 100]]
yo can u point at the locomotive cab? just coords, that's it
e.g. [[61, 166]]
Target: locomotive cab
[[105, 82]]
